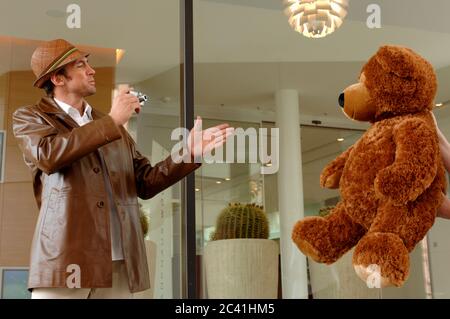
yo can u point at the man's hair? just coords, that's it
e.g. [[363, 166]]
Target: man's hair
[[48, 85]]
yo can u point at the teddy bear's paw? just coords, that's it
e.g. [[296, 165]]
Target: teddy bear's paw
[[330, 179], [309, 236], [381, 260]]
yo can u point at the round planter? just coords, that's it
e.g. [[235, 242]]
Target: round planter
[[242, 268]]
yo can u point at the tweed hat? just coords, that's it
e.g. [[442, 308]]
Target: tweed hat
[[51, 56]]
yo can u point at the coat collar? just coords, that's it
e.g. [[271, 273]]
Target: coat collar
[[49, 106]]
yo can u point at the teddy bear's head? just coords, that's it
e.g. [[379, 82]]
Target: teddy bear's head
[[395, 81]]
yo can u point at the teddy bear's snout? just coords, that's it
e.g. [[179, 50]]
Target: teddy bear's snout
[[341, 99]]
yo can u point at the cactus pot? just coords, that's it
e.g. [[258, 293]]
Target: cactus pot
[[242, 269]]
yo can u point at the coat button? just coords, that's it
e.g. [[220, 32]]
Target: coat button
[[100, 204], [96, 170]]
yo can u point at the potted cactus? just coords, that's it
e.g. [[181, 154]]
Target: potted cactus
[[240, 260]]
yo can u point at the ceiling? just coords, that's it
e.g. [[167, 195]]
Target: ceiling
[[228, 30]]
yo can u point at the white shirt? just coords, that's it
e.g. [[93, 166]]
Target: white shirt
[[116, 242]]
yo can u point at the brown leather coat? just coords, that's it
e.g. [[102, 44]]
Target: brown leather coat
[[73, 224]]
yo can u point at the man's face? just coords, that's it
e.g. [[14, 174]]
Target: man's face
[[79, 78]]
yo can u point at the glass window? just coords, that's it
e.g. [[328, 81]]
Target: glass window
[[130, 42], [252, 68]]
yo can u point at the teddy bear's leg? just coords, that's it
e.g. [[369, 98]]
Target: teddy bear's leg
[[394, 233], [381, 258], [383, 254], [326, 239]]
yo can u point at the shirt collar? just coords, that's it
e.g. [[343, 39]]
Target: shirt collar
[[71, 110]]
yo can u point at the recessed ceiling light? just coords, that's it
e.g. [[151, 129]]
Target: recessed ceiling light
[[228, 179], [197, 189], [218, 182], [439, 104], [340, 139]]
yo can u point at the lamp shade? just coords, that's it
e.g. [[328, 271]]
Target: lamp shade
[[316, 18]]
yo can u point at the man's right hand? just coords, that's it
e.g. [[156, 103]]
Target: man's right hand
[[124, 105]]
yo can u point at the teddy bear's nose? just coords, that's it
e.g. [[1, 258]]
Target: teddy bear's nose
[[341, 100]]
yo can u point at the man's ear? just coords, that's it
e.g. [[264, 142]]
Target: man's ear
[[57, 79]]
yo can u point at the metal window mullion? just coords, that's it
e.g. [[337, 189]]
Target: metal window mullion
[[189, 272]]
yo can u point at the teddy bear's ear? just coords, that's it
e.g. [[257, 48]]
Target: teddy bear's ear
[[400, 80], [399, 60]]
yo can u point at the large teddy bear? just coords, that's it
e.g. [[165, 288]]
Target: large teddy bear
[[391, 180]]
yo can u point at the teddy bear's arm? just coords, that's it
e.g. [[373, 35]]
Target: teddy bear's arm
[[331, 174], [415, 165]]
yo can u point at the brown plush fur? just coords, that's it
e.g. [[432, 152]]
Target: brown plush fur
[[390, 180]]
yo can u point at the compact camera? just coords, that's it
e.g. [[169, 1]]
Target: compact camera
[[141, 96]]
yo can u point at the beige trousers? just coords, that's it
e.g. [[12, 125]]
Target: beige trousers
[[119, 289]]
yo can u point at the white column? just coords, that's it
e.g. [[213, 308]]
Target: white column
[[290, 193]]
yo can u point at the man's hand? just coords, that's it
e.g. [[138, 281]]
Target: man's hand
[[442, 140], [201, 142], [444, 210], [124, 105]]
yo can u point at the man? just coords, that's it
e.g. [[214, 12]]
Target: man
[[87, 175]]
